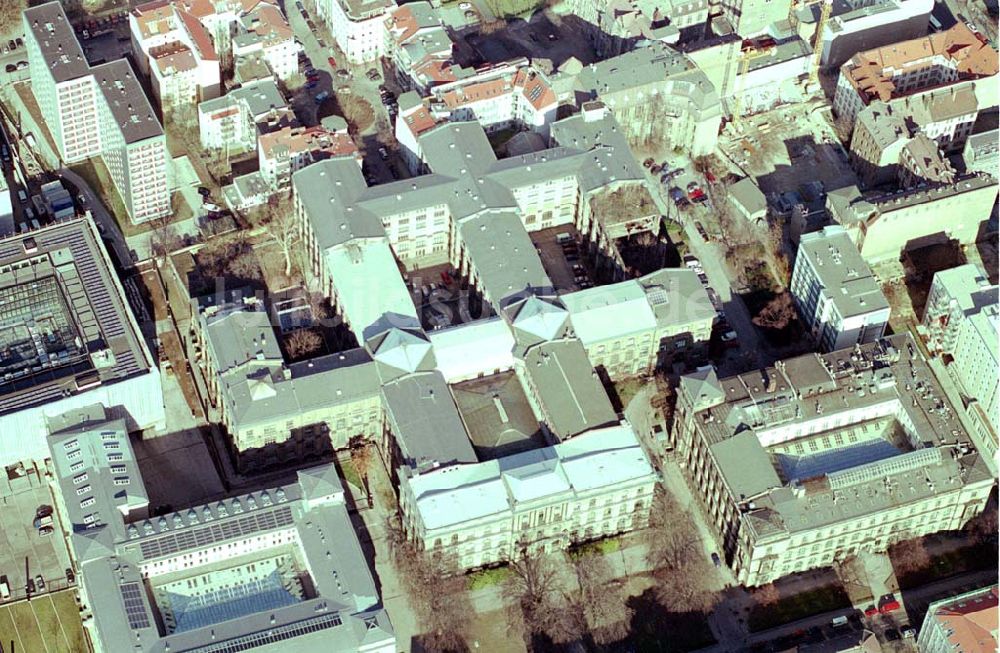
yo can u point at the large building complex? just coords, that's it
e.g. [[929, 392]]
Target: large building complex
[[961, 324], [836, 294], [805, 463], [904, 68], [68, 339], [591, 486], [275, 565], [967, 623], [98, 111]]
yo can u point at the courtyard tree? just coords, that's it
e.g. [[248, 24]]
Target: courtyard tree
[[303, 342], [538, 605], [435, 588], [777, 313], [602, 599], [276, 219], [361, 458]]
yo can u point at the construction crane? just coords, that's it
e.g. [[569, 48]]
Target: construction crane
[[746, 57], [824, 15]]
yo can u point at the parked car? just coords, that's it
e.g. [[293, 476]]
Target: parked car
[[40, 582], [9, 68], [372, 74], [21, 65], [30, 586], [383, 154], [332, 62], [465, 6], [701, 231], [70, 576], [321, 97], [716, 560]]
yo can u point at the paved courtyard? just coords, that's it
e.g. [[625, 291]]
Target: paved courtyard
[[24, 552]]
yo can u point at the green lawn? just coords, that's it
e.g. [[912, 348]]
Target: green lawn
[[799, 606], [487, 577], [603, 547], [49, 623], [351, 474], [96, 174]]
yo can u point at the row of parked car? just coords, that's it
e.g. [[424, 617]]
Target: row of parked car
[[722, 328]]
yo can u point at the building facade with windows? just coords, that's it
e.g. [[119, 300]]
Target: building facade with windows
[[803, 464], [592, 486], [98, 111], [357, 26], [269, 566], [835, 292]]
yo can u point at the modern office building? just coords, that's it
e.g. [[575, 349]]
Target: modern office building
[[59, 288], [280, 565], [805, 463], [97, 111], [966, 623], [835, 292], [542, 500]]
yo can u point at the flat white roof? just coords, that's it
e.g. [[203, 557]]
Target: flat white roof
[[464, 351]]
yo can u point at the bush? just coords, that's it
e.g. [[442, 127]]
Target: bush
[[487, 577]]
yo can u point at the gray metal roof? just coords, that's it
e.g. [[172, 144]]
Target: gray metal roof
[[259, 96], [426, 422], [329, 189], [505, 258], [96, 469], [747, 195], [96, 300], [845, 279], [60, 49], [745, 465], [235, 337], [262, 396], [128, 102], [567, 387]]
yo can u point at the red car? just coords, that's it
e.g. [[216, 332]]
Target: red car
[[332, 62]]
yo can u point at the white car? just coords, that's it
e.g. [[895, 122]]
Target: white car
[[465, 6]]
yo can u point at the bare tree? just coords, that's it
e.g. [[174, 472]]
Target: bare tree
[[673, 550], [767, 595], [361, 457], [777, 313], [303, 342], [602, 599], [436, 591], [910, 555], [538, 604], [277, 220]]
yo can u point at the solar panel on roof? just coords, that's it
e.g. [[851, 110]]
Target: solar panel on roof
[[135, 609]]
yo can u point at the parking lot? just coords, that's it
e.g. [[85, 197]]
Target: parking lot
[[559, 248], [24, 552]]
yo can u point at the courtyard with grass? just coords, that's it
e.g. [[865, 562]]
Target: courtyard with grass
[[45, 624]]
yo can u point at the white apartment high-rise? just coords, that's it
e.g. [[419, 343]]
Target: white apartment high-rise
[[836, 294], [357, 25], [97, 111], [961, 321]]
